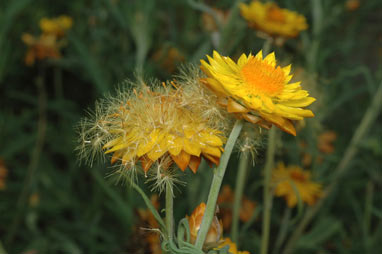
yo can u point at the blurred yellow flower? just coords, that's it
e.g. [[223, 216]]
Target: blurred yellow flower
[[57, 26], [195, 220], [3, 174], [43, 47], [232, 247], [273, 20], [288, 181], [257, 90]]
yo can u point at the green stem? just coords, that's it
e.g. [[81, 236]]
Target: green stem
[[368, 119], [267, 193], [216, 183], [239, 189], [283, 230], [267, 46], [169, 212], [149, 205]]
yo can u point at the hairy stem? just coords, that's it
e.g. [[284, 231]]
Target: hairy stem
[[216, 183], [239, 189], [169, 212], [149, 205], [267, 192]]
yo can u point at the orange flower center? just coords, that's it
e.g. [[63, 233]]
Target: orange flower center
[[275, 14], [298, 176], [263, 77]]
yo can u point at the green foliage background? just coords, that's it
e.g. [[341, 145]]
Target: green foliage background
[[82, 211]]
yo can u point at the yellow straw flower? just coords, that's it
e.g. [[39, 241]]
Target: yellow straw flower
[[154, 126], [272, 19], [232, 247], [57, 26], [257, 90], [195, 220], [289, 180]]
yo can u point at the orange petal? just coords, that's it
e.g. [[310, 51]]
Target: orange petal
[[194, 163], [251, 118], [211, 159], [182, 159], [115, 157], [234, 107], [146, 163]]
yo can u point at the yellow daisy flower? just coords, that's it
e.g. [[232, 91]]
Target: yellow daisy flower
[[232, 247], [57, 26], [195, 220], [157, 126], [273, 20], [257, 90], [289, 180]]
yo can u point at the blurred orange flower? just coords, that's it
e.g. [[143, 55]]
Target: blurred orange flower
[[168, 58], [48, 44], [43, 47], [146, 217], [3, 174], [352, 5], [225, 201], [325, 142]]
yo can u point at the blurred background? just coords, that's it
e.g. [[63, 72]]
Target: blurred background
[[50, 203]]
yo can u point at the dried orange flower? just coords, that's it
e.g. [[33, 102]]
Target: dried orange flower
[[273, 20], [56, 26], [232, 247], [257, 90], [216, 229], [292, 181]]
